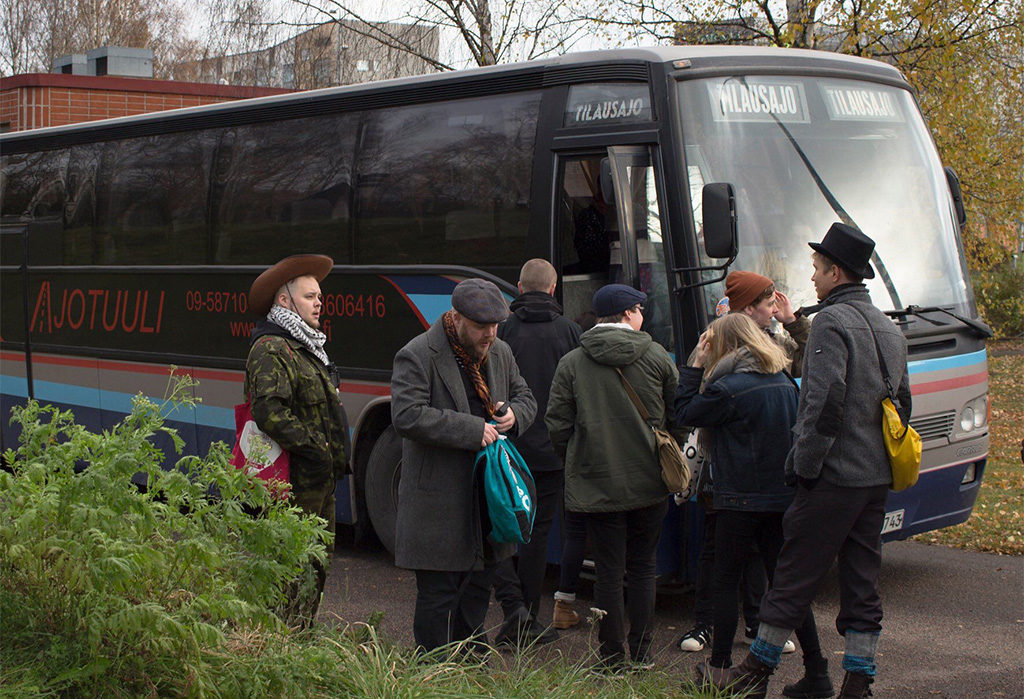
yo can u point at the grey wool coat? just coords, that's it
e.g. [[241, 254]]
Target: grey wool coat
[[439, 525], [838, 432]]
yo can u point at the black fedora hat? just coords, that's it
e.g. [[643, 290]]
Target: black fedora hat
[[849, 247]]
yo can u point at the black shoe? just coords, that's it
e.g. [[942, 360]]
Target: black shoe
[[513, 628], [815, 684], [538, 634]]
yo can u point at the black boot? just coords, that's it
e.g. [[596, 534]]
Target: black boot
[[856, 686], [815, 683]]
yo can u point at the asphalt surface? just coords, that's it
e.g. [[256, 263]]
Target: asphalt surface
[[953, 627]]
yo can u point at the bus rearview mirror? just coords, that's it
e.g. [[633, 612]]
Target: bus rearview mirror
[[719, 210], [958, 198]]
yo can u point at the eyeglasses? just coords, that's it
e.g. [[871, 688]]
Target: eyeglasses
[[637, 309]]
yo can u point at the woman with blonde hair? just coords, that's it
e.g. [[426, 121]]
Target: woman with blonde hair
[[740, 396]]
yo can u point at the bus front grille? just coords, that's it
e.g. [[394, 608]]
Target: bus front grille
[[934, 426]]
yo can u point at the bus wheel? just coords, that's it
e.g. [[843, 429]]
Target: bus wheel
[[383, 471]]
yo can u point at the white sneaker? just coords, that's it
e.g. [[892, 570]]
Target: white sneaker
[[751, 633], [695, 639]]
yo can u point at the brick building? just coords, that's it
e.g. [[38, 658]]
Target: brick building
[[36, 100]]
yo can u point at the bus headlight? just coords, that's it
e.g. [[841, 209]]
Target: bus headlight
[[966, 419], [974, 415]]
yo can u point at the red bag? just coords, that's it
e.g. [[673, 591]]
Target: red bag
[[251, 444]]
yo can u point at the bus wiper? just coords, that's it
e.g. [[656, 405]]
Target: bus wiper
[[845, 217], [980, 329]]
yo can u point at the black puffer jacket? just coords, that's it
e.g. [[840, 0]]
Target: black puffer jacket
[[539, 336]]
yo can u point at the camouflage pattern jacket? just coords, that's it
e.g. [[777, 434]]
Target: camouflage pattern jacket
[[295, 401]]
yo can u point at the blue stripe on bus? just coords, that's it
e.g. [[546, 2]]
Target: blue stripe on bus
[[112, 401], [941, 363], [431, 306]]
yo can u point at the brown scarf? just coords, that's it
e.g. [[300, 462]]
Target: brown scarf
[[472, 366]]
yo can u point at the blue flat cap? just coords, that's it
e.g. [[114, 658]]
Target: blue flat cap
[[480, 301], [613, 299]]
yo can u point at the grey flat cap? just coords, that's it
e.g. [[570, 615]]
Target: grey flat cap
[[480, 301]]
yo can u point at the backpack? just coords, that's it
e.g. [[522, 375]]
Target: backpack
[[509, 492]]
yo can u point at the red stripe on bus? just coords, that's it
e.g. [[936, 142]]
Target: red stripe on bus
[[131, 367], [948, 384], [408, 300]]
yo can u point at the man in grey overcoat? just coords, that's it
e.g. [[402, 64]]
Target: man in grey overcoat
[[446, 386]]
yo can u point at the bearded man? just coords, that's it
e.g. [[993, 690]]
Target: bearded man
[[447, 386]]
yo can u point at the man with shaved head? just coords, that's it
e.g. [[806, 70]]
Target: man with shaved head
[[539, 336]]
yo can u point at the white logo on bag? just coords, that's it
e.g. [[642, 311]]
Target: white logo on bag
[[255, 443]]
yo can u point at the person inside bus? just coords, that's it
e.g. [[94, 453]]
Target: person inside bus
[[739, 395]]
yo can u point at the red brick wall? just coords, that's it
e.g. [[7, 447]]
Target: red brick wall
[[37, 100]]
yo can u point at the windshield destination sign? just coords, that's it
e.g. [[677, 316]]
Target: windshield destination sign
[[860, 103], [760, 100]]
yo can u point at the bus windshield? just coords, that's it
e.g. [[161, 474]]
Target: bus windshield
[[804, 152]]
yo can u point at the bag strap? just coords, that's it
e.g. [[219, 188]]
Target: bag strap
[[646, 416], [878, 352]]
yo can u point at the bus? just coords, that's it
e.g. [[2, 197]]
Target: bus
[[127, 246]]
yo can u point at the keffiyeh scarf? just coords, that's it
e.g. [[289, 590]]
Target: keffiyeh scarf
[[298, 328]]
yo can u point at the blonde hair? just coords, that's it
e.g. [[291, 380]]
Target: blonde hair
[[735, 330]]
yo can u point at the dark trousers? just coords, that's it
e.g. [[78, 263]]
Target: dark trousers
[[823, 524], [514, 587], [443, 614], [625, 543], [574, 545], [735, 532], [753, 583]]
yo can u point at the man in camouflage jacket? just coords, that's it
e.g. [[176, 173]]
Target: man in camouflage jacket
[[294, 396]]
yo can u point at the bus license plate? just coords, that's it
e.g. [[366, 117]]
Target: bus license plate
[[893, 521]]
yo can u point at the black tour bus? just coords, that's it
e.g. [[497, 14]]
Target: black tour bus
[[128, 245]]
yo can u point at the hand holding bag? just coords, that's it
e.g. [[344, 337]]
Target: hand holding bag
[[902, 442], [674, 470]]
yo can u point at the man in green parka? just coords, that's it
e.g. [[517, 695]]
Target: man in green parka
[[294, 396], [612, 474]]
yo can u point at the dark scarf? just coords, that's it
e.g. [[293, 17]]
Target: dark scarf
[[472, 367]]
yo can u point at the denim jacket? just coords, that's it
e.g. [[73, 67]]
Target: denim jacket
[[750, 416]]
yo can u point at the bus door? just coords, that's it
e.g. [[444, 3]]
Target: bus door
[[608, 230]]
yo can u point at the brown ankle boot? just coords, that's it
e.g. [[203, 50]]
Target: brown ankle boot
[[565, 616], [856, 686], [750, 676]]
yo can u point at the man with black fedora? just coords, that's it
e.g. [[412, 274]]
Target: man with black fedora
[[840, 464], [294, 396], [454, 389]]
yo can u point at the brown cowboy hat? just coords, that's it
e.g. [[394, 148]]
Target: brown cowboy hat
[[261, 293]]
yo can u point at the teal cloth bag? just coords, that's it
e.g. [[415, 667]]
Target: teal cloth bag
[[509, 492]]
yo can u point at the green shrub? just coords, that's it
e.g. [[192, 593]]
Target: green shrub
[[999, 292], [100, 579]]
